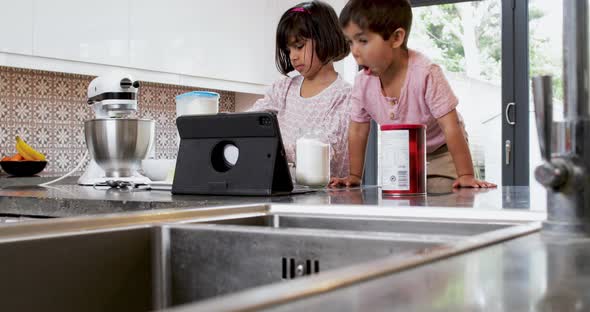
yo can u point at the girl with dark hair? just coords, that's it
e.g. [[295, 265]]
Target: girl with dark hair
[[308, 42]]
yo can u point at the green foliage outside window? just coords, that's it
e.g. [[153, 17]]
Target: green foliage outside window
[[466, 38]]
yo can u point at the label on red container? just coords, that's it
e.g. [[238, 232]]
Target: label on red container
[[395, 160]]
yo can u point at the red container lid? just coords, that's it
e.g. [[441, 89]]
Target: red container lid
[[403, 126]]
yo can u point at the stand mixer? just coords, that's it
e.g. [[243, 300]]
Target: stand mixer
[[116, 143]]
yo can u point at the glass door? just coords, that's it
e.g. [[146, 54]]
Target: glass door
[[464, 39], [478, 46], [482, 46]]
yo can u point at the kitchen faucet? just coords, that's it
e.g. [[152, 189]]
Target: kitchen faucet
[[565, 145]]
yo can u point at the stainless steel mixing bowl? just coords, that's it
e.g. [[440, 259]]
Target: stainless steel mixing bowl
[[119, 145]]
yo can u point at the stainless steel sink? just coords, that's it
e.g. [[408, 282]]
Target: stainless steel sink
[[153, 267], [411, 226], [148, 261], [104, 271]]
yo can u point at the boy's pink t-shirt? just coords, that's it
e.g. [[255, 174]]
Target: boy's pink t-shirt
[[328, 112], [425, 96]]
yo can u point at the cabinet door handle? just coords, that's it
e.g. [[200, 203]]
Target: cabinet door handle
[[507, 149], [506, 113]]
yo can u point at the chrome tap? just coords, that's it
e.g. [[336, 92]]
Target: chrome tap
[[565, 146]]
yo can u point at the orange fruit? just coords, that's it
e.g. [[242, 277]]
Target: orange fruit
[[16, 157]]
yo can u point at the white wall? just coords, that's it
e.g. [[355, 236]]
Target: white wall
[[479, 104]]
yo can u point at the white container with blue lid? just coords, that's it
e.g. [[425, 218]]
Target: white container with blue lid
[[197, 103]]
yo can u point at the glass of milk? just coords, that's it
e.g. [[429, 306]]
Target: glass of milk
[[312, 159]]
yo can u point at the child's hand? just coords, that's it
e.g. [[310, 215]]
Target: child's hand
[[469, 181], [347, 182]]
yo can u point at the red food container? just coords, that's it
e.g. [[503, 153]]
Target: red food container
[[403, 159]]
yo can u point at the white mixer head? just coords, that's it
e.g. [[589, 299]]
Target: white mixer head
[[113, 95]]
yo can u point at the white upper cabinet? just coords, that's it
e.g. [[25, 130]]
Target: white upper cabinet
[[16, 26], [222, 44], [82, 30], [222, 39]]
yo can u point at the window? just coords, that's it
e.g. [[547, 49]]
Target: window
[[465, 40], [482, 45]]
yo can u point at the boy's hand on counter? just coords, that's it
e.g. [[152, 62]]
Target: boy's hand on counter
[[469, 180], [345, 182]]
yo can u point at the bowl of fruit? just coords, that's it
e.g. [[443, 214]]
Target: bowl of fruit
[[25, 163]]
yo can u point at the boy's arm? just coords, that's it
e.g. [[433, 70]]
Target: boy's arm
[[358, 133], [459, 149]]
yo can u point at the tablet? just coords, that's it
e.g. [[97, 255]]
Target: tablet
[[232, 154]]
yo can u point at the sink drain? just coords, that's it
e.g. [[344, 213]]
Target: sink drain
[[293, 268]]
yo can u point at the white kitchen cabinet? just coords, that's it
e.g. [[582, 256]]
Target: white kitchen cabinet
[[224, 39], [222, 44], [16, 26], [85, 31]]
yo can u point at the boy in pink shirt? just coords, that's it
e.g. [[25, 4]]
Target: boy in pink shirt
[[401, 86]]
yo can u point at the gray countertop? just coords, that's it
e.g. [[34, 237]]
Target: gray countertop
[[20, 196]]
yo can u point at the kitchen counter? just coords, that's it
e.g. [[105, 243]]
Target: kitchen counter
[[520, 274], [20, 196]]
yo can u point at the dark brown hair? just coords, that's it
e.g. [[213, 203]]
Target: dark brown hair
[[379, 16], [314, 20]]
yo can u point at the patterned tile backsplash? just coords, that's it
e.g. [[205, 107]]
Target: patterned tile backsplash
[[48, 110]]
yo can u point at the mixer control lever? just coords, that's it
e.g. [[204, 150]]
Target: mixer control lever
[[126, 83]]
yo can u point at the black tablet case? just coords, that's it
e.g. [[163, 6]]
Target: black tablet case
[[261, 168]]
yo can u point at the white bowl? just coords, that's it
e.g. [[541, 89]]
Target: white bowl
[[158, 169]]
